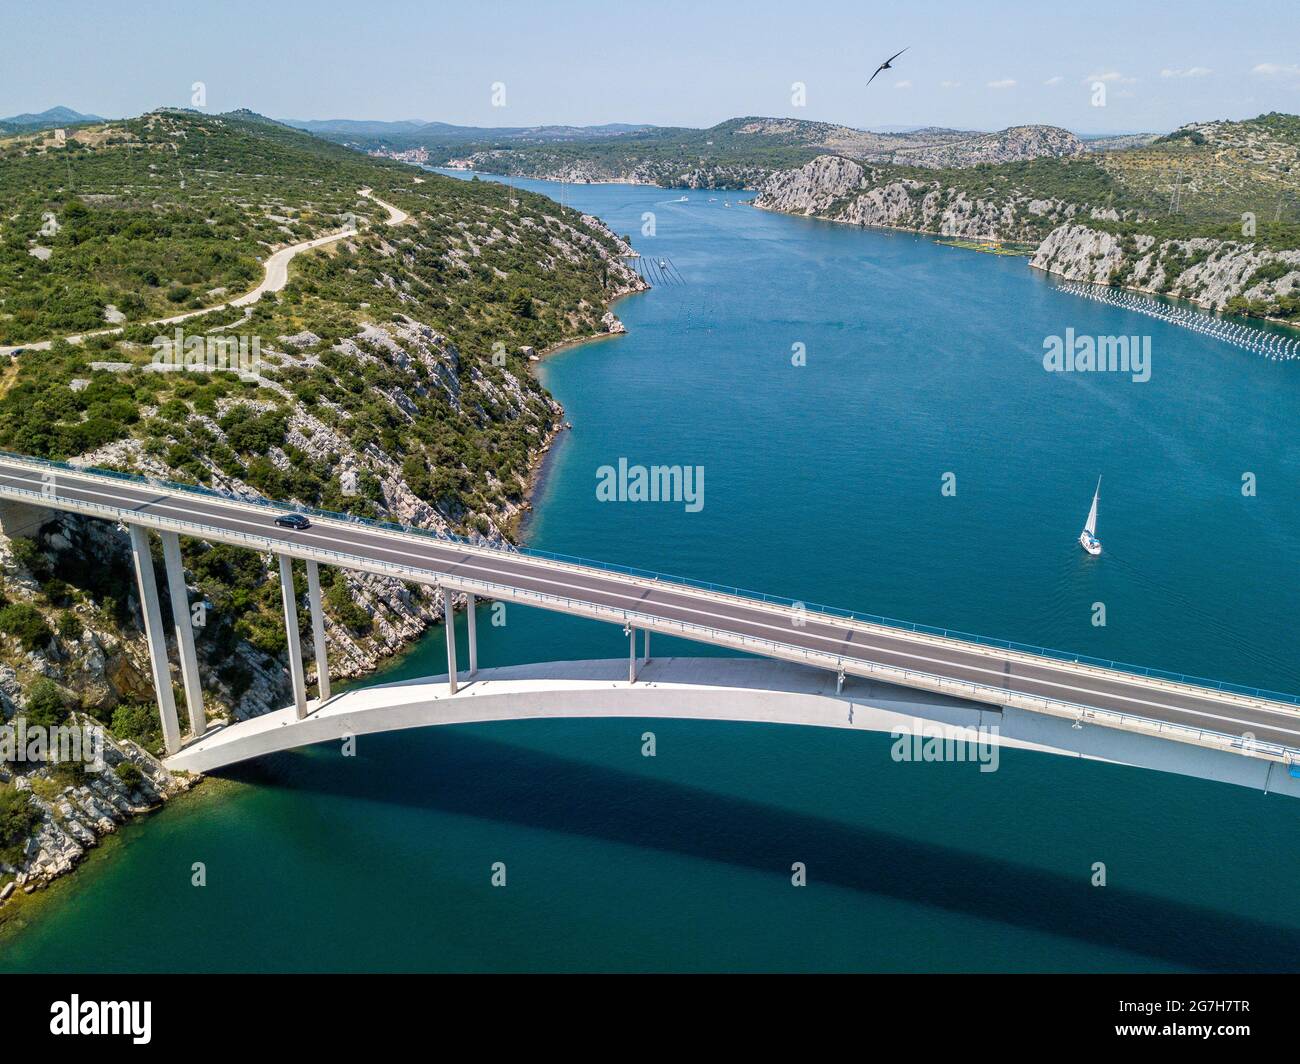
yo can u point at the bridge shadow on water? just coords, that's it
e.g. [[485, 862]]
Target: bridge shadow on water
[[535, 789]]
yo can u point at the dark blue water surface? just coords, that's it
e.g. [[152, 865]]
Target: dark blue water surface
[[822, 483]]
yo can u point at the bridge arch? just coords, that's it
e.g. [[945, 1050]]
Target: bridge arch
[[719, 689]]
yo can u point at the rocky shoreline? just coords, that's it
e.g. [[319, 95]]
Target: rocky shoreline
[[1207, 272], [1219, 275], [108, 662]]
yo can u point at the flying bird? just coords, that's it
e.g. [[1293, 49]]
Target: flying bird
[[886, 65]]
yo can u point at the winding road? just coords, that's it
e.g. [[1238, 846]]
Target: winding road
[[276, 276]]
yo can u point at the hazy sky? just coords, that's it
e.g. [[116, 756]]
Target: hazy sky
[[670, 62]]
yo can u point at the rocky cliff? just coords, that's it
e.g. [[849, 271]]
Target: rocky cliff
[[1218, 274], [1075, 240], [841, 190]]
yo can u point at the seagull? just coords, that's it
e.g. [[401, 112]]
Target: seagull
[[886, 65]]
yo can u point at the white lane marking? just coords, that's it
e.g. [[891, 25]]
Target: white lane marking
[[164, 503]]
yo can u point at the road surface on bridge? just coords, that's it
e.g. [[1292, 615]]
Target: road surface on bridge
[[862, 648]]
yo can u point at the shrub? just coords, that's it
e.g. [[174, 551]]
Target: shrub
[[57, 592], [29, 556], [46, 705], [70, 627], [136, 722], [26, 623], [18, 816], [341, 604], [129, 774]]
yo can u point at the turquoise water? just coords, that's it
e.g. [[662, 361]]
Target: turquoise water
[[822, 483]]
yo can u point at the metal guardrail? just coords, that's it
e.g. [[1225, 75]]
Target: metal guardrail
[[1077, 711], [833, 612]]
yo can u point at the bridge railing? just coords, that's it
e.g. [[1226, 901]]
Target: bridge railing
[[765, 647], [832, 612]]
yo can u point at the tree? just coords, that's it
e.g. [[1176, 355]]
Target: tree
[[521, 303], [45, 705]]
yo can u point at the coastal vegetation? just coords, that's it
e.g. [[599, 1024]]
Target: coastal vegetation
[[389, 379]]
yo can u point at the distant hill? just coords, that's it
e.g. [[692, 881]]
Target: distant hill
[[55, 116], [1117, 141], [742, 152], [412, 133]]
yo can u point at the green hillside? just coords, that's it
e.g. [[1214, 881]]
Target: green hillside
[[477, 264]]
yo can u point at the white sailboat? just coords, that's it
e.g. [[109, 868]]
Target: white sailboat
[[1088, 537]]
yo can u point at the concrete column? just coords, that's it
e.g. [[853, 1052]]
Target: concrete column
[[318, 630], [296, 675], [449, 623], [473, 636], [184, 625], [631, 656], [153, 630], [645, 658]]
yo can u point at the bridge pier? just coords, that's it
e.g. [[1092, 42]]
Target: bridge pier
[[318, 631], [473, 635], [645, 658], [184, 625], [631, 655], [153, 631], [297, 677], [449, 623]]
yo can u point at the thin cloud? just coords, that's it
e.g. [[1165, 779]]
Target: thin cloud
[[1005, 83], [902, 84], [950, 84], [1111, 75], [1277, 70], [1054, 80], [1190, 72]]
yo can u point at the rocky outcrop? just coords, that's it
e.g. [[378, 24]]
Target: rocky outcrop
[[1219, 274], [841, 190], [73, 818], [1206, 271]]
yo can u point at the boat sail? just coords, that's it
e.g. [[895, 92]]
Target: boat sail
[[1088, 537]]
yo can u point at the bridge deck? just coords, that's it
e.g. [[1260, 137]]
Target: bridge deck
[[919, 660]]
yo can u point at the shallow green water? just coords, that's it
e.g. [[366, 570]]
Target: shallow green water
[[822, 483]]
